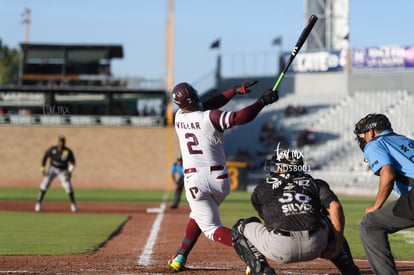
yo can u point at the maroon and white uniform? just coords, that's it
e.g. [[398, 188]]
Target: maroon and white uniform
[[201, 137]]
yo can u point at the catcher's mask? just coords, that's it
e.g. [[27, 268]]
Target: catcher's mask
[[378, 122], [285, 161]]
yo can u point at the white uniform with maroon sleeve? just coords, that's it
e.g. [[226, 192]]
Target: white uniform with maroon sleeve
[[206, 181]]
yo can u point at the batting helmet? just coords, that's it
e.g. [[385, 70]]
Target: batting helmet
[[285, 161], [185, 96]]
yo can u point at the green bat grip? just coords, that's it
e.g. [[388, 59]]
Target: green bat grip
[[281, 76]]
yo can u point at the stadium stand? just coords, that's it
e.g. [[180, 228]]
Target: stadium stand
[[335, 155]]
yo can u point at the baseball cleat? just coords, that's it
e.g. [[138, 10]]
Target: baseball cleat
[[177, 263], [73, 208], [38, 207], [267, 271]]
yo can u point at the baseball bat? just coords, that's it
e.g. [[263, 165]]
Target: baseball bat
[[302, 38]]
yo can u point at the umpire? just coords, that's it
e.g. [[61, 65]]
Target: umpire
[[303, 219], [391, 157], [177, 175], [62, 165]]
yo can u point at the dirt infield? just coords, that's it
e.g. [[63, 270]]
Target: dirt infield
[[121, 254]]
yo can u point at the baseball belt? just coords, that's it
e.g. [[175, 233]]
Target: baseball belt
[[288, 233], [212, 168]]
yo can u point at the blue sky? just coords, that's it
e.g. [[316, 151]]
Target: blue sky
[[244, 26]]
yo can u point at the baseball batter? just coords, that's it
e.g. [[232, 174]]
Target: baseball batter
[[200, 128], [62, 165], [294, 207]]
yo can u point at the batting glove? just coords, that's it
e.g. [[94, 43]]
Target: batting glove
[[269, 97], [243, 88]]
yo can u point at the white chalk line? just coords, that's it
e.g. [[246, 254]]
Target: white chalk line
[[14, 271], [408, 234], [396, 261], [145, 258]]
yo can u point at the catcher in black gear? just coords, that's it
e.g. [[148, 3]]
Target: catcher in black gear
[[303, 219]]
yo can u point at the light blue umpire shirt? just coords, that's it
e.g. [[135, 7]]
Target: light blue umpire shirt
[[394, 149]]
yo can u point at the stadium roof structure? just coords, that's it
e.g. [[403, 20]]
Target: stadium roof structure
[[73, 52], [66, 64]]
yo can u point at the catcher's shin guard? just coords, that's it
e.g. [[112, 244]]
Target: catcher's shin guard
[[247, 252]]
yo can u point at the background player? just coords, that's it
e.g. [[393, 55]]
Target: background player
[[295, 209], [200, 128], [62, 164], [391, 157], [177, 175]]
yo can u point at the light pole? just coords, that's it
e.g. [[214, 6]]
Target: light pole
[[26, 21]]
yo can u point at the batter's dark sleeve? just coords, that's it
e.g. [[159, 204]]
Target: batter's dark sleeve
[[248, 113], [326, 195], [218, 101], [225, 120]]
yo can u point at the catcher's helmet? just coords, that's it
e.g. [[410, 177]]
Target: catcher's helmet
[[185, 96], [285, 161]]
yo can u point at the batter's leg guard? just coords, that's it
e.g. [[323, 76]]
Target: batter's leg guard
[[255, 260]]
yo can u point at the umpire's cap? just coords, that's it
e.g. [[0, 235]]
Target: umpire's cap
[[378, 122]]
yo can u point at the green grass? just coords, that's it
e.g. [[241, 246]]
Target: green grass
[[31, 233], [55, 234], [83, 195]]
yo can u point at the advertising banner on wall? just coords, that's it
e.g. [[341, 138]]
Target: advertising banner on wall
[[320, 61], [383, 57], [148, 121]]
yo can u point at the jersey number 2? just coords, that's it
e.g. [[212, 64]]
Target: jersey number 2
[[192, 143]]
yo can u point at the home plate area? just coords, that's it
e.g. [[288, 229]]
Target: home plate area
[[121, 254]]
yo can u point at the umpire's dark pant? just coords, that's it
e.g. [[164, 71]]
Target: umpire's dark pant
[[374, 230], [177, 193]]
